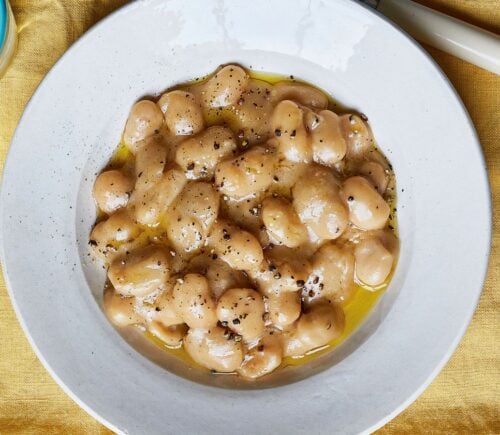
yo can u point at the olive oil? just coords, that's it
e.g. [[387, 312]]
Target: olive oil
[[120, 157]]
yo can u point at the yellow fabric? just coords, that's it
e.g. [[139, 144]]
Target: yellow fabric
[[464, 398]]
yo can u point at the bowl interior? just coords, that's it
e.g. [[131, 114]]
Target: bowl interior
[[266, 62]]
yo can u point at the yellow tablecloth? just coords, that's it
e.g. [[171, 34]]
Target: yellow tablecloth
[[464, 398]]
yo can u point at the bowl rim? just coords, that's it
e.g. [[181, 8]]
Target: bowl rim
[[465, 323]]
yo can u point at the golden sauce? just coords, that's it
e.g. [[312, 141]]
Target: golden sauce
[[363, 300], [120, 157]]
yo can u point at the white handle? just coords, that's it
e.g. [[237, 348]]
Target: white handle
[[446, 33]]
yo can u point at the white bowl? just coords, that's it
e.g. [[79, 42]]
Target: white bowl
[[74, 121]]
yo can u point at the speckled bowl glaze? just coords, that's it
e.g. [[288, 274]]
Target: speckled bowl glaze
[[74, 121]]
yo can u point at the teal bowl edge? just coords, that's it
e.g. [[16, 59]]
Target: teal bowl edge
[[3, 22]]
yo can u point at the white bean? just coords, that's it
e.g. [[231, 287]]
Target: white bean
[[367, 209], [247, 174], [242, 310], [152, 204], [238, 248], [121, 310], [287, 124], [199, 155], [163, 309], [301, 93], [318, 326], [328, 143], [373, 262], [284, 308], [115, 235], [332, 275], [140, 273], [225, 87], [376, 174], [357, 134], [283, 270], [219, 274], [262, 358], [112, 190], [191, 216], [200, 200], [183, 114], [250, 115], [144, 120], [150, 159], [247, 213], [319, 206], [214, 349], [193, 301], [282, 223]]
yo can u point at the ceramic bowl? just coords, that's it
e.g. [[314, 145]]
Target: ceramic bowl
[[74, 121]]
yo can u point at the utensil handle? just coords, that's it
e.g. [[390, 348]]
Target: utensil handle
[[446, 33]]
